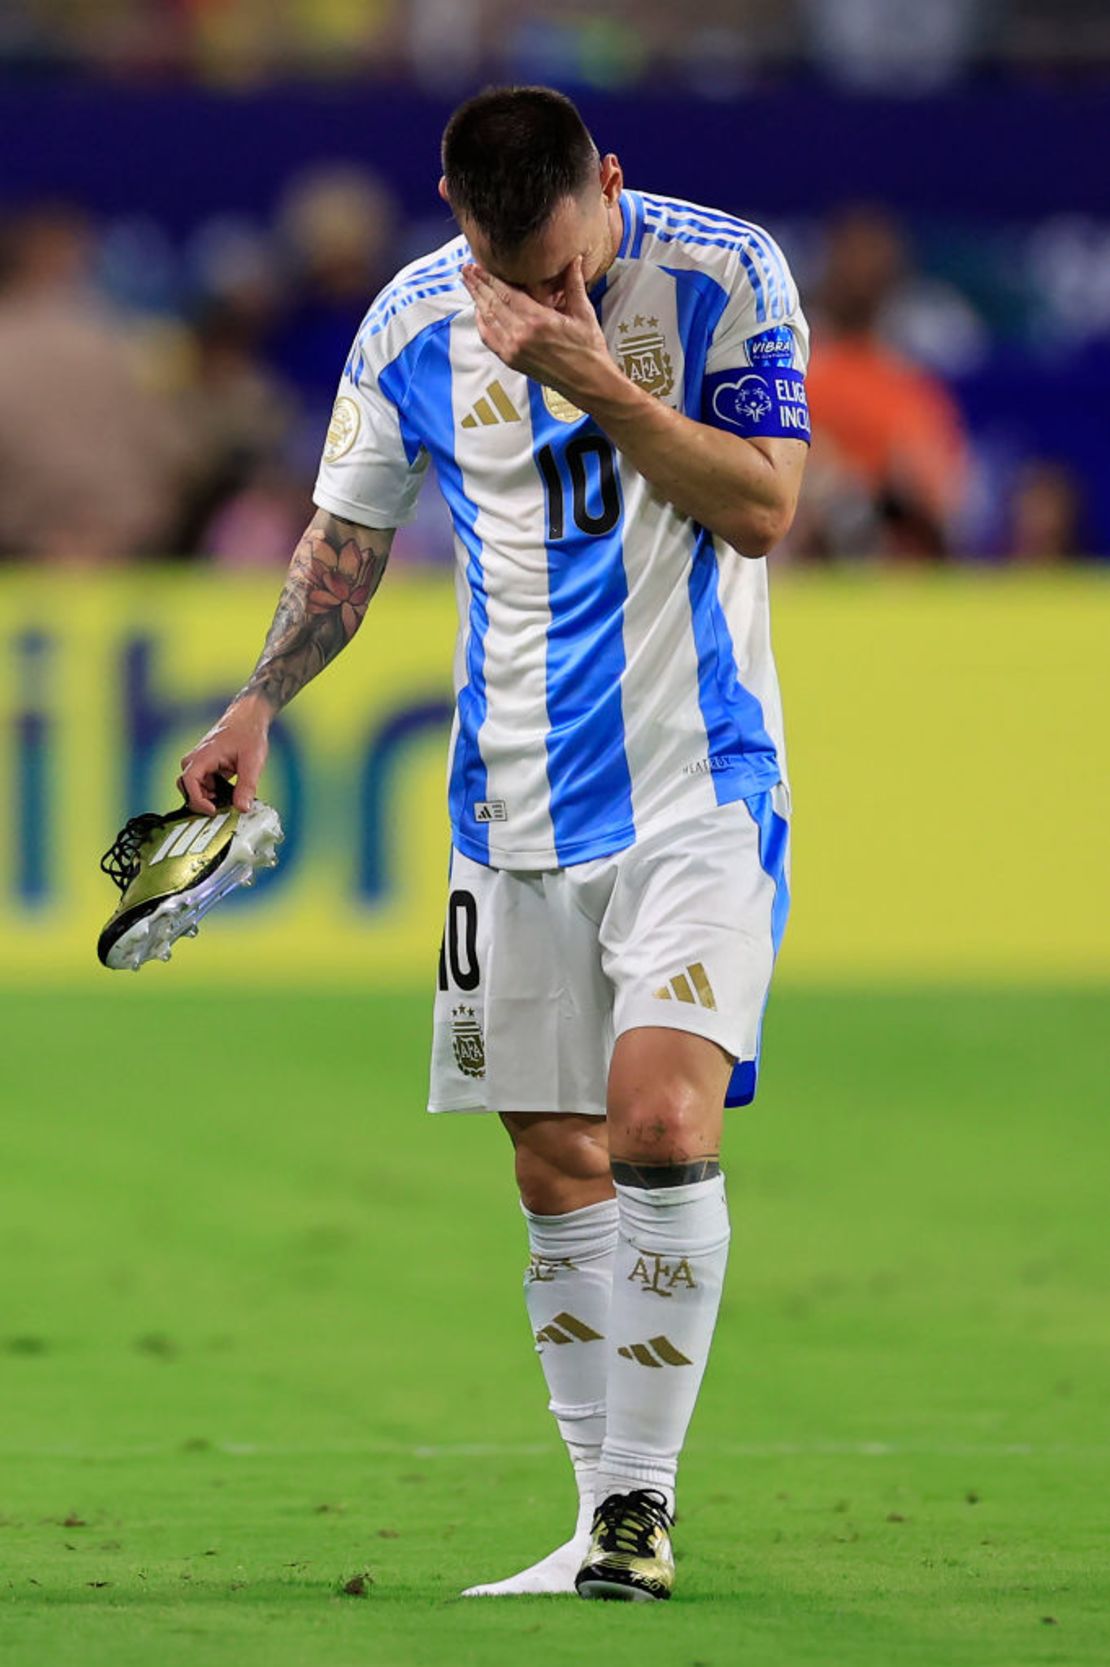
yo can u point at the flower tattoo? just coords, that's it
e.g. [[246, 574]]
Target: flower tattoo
[[340, 580], [336, 568]]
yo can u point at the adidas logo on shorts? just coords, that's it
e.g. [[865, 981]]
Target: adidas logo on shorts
[[692, 986]]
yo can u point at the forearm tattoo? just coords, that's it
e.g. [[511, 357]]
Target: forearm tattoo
[[652, 1175], [335, 570]]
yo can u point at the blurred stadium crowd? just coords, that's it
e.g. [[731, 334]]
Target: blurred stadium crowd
[[165, 390], [709, 46]]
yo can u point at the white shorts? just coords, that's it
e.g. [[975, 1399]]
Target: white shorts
[[541, 972]]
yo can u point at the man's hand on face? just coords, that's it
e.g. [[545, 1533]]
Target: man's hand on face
[[561, 346]]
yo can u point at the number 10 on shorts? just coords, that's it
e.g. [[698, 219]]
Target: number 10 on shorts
[[458, 951]]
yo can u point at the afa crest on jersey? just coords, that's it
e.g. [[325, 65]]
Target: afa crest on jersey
[[644, 357]]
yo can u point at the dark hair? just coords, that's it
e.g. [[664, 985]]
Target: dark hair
[[510, 155]]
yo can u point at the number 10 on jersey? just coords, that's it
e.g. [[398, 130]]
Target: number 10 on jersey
[[587, 467]]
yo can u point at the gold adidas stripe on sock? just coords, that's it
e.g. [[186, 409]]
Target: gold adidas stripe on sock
[[577, 1328], [640, 1352], [664, 1348], [667, 1352]]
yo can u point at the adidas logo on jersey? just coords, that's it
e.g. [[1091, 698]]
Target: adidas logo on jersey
[[494, 407], [567, 1328], [491, 810], [657, 1351], [679, 988]]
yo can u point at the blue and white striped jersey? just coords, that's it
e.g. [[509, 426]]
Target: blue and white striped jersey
[[613, 672]]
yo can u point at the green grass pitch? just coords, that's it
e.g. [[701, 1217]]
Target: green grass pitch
[[261, 1335]]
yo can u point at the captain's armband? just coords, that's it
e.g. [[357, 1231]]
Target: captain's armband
[[766, 396]]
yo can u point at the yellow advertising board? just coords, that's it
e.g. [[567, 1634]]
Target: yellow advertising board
[[947, 745]]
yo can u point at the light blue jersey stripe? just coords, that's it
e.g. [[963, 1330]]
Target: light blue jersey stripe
[[733, 717], [750, 248], [774, 835], [626, 222], [378, 320], [771, 254], [741, 751], [671, 224], [774, 840], [587, 767], [632, 216], [431, 269], [640, 225], [746, 262], [419, 384], [711, 222], [434, 277], [764, 242], [700, 302]]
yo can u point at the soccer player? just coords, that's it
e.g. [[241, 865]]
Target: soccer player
[[610, 385]]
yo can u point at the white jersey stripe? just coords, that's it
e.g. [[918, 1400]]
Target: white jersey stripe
[[512, 534]]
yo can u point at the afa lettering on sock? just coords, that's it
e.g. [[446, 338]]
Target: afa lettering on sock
[[661, 1277]]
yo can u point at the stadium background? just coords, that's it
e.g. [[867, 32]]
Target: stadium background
[[206, 1256]]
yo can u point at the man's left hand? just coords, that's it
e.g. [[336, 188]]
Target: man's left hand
[[562, 347]]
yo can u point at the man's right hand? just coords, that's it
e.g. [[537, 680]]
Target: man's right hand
[[236, 745], [336, 568]]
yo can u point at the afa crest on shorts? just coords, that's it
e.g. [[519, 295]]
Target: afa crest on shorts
[[467, 1041], [644, 358]]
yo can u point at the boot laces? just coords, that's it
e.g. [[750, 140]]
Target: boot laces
[[627, 1520], [121, 861]]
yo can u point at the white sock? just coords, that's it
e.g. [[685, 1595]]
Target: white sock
[[670, 1267], [567, 1289]]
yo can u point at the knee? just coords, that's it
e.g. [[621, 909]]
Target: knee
[[663, 1121], [666, 1096], [560, 1169]]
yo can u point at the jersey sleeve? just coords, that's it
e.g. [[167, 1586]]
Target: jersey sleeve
[[755, 367], [372, 467]]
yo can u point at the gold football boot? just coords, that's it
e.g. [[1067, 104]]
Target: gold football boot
[[172, 869], [630, 1556]]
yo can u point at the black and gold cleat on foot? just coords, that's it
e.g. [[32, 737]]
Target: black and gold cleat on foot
[[630, 1557], [172, 869]]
